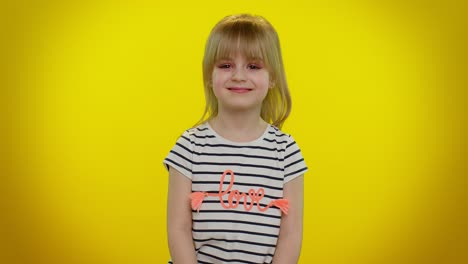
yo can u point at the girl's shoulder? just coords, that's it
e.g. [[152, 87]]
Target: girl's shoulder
[[287, 139], [198, 130], [277, 132]]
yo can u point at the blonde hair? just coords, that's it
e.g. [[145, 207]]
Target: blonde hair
[[254, 37]]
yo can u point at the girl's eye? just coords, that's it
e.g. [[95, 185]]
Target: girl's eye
[[254, 67], [225, 66]]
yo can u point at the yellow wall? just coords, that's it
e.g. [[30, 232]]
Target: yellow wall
[[98, 92]]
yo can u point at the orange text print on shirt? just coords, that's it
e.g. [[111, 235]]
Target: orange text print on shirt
[[234, 197]]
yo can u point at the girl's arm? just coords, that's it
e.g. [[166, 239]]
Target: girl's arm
[[179, 219], [289, 243]]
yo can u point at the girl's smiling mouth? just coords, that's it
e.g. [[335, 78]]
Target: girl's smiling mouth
[[239, 89]]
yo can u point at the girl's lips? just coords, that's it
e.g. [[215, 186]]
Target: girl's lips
[[239, 90]]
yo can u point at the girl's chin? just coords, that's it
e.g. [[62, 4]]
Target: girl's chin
[[240, 107]]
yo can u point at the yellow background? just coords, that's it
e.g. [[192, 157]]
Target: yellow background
[[97, 92]]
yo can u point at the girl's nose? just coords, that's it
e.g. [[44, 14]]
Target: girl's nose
[[238, 74]]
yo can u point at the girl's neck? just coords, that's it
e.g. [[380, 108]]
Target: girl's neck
[[238, 127]]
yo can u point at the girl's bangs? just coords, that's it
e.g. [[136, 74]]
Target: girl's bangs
[[246, 43]]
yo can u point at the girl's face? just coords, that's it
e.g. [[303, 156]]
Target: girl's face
[[239, 83]]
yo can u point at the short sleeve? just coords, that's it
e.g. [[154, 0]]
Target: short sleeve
[[180, 156], [294, 164]]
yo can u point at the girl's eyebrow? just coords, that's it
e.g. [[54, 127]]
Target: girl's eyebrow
[[223, 60], [225, 57], [256, 60]]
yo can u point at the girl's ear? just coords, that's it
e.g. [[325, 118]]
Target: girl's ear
[[272, 84]]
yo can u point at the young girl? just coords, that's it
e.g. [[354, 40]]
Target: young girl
[[235, 179]]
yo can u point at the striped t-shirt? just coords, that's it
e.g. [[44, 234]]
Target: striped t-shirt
[[226, 229]]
